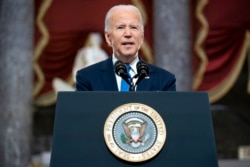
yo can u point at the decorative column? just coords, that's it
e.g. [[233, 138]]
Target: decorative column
[[16, 54], [172, 42]]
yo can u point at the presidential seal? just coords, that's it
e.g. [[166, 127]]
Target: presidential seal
[[134, 132]]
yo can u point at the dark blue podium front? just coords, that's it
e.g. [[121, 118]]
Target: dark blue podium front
[[80, 117]]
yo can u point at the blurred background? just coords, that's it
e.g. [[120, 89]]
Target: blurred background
[[205, 43]]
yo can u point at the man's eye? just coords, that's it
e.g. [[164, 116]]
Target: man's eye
[[120, 27], [134, 27]]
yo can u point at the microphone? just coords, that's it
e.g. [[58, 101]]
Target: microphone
[[121, 70], [142, 71]]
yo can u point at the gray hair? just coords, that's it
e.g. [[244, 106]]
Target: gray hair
[[107, 18]]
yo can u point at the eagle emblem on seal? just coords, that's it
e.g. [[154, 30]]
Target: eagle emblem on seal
[[134, 129]]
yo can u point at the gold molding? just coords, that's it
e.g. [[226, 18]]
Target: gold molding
[[141, 7], [220, 90], [202, 34], [43, 41], [145, 48]]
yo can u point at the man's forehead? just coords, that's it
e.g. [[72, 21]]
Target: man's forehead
[[125, 19], [124, 13]]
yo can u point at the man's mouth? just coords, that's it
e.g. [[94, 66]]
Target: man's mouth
[[127, 43]]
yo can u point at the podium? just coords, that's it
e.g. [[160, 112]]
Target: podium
[[78, 137]]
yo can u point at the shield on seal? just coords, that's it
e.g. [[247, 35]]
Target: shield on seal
[[134, 129]]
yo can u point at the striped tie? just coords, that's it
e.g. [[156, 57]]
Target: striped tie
[[124, 85]]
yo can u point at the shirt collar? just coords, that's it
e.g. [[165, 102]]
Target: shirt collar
[[132, 64]]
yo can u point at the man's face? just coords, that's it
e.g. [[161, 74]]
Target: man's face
[[125, 34]]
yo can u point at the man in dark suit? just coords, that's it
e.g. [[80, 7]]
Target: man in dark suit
[[124, 32]]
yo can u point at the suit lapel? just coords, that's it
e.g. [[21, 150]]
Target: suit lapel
[[108, 75], [144, 85], [147, 83]]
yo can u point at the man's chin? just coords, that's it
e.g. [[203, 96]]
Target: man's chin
[[128, 54]]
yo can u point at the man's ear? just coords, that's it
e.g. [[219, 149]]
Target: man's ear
[[107, 38]]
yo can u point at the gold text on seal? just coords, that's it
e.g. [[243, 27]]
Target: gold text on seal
[[134, 132]]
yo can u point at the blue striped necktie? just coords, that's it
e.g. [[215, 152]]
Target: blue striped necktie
[[124, 85]]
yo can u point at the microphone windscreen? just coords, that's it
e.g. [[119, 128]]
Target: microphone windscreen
[[120, 68], [142, 69]]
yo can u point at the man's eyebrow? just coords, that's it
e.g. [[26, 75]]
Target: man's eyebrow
[[134, 25], [120, 24]]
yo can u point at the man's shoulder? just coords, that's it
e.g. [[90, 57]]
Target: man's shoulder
[[97, 66], [159, 70]]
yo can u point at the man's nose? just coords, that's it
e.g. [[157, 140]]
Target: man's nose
[[127, 32]]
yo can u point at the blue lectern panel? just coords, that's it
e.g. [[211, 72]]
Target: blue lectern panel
[[80, 117]]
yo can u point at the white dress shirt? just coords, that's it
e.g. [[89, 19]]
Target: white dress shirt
[[132, 72]]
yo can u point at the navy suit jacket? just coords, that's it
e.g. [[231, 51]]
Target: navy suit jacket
[[101, 77]]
